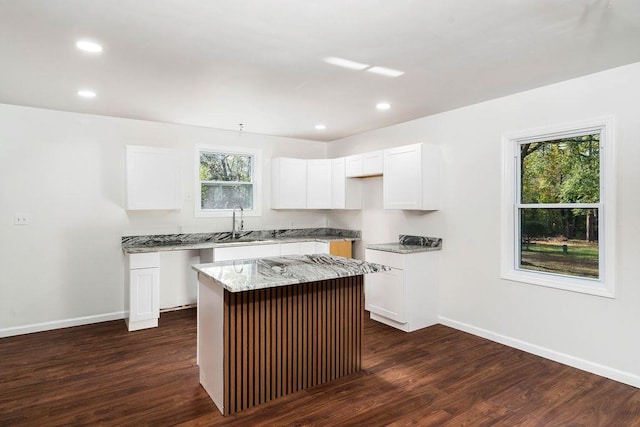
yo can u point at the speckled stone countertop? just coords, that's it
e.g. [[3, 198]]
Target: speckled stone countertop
[[176, 242], [251, 274], [409, 244]]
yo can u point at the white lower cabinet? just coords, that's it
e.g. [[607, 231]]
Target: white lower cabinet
[[385, 294], [290, 249], [246, 252], [406, 297], [142, 291], [231, 253]]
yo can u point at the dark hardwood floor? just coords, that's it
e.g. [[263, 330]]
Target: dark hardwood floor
[[102, 374]]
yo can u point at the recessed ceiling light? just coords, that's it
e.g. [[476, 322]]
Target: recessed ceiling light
[[385, 71], [88, 46], [86, 93], [383, 105], [345, 63], [321, 127]]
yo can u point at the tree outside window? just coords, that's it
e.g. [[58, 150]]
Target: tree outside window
[[226, 180], [559, 205]]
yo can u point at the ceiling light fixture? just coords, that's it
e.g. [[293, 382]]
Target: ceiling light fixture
[[345, 63], [383, 105], [385, 71], [86, 93], [88, 46], [321, 127]]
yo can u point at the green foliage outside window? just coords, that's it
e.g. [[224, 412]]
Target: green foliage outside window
[[560, 239], [226, 180]]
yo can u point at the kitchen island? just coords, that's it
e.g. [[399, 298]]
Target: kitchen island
[[272, 326]]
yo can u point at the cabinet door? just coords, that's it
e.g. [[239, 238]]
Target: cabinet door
[[308, 248], [372, 163], [152, 178], [384, 294], [341, 248], [290, 249], [144, 294], [402, 182], [338, 180], [353, 165], [319, 184], [322, 247], [288, 183], [345, 192]]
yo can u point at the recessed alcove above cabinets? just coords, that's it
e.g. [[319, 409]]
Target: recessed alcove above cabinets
[[410, 177]]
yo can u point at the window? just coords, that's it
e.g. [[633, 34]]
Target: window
[[227, 179], [558, 203]]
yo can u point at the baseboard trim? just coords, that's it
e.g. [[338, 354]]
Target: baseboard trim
[[566, 359], [58, 324]]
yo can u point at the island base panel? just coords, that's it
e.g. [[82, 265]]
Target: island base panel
[[285, 339]]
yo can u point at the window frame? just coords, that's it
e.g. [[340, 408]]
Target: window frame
[[256, 178], [510, 218]]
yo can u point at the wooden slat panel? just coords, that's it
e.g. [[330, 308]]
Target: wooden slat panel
[[281, 340]]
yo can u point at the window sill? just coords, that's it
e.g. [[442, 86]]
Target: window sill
[[226, 213], [566, 283]]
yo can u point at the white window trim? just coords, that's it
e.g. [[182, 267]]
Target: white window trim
[[256, 174], [605, 285]]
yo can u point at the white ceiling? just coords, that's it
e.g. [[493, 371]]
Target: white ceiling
[[218, 63]]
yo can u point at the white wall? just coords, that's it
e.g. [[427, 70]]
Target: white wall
[[66, 171], [594, 333]]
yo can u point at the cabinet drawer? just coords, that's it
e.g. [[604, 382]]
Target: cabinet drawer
[[144, 260], [246, 252], [391, 259], [290, 249]]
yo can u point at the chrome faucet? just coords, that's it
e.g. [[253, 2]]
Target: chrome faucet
[[233, 226]]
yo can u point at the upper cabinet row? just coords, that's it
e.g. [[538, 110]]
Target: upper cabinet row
[[410, 179], [312, 184]]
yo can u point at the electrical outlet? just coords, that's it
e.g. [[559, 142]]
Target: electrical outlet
[[21, 219]]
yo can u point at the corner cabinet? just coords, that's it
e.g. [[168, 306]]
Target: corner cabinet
[[319, 184], [412, 177], [405, 297], [345, 192]]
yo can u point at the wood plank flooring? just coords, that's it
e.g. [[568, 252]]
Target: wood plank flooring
[[102, 374]]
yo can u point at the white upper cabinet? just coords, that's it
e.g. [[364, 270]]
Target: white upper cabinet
[[372, 163], [152, 178], [288, 183], [412, 177], [353, 165], [362, 165], [319, 184], [345, 192]]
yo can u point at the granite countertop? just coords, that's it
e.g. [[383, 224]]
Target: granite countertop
[[175, 242], [409, 244], [244, 275]]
